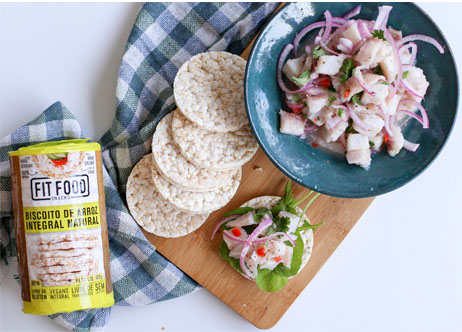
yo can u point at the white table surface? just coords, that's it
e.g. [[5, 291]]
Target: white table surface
[[400, 268]]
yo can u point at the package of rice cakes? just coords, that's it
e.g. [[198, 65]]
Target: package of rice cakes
[[60, 225]]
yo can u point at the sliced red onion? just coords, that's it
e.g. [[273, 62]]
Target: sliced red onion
[[228, 218], [394, 47], [415, 116], [326, 34], [307, 29], [342, 140], [410, 146], [264, 224], [316, 91], [359, 76], [314, 76], [386, 119], [410, 89], [358, 46], [294, 107], [344, 49], [382, 18], [282, 57], [307, 49], [310, 127], [269, 237], [318, 38], [422, 38], [352, 13], [230, 235], [333, 122], [356, 119], [339, 20], [346, 42], [425, 120], [330, 50], [363, 30], [413, 47]]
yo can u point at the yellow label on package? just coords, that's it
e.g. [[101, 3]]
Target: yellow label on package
[[61, 231]]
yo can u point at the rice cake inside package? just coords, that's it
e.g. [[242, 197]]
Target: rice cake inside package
[[60, 225]]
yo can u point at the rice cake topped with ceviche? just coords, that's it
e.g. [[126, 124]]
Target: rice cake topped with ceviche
[[209, 91], [196, 202], [171, 164], [153, 212], [212, 150], [268, 239]]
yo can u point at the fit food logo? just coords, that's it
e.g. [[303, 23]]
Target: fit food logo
[[46, 189]]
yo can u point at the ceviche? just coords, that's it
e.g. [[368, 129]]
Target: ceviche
[[353, 87]]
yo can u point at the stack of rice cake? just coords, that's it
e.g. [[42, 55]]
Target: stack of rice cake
[[197, 150]]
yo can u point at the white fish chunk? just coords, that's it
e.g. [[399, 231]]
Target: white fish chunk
[[417, 80], [329, 64], [315, 104], [396, 142], [377, 142], [352, 33], [380, 91], [370, 119], [357, 142], [373, 52], [244, 220], [359, 157], [292, 124], [332, 135], [294, 67], [389, 67], [352, 84]]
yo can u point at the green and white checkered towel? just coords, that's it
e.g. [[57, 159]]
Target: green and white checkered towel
[[163, 38]]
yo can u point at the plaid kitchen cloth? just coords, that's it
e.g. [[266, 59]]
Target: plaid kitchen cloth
[[163, 38]]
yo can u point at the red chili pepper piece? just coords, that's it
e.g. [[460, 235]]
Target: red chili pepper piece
[[236, 231], [315, 145], [277, 259], [325, 83], [296, 110], [386, 138], [347, 93], [261, 252]]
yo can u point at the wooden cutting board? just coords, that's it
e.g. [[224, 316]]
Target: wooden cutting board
[[198, 256]]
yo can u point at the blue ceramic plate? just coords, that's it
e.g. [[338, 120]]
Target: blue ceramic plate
[[331, 174]]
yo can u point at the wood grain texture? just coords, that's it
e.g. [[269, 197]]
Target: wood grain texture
[[198, 256]]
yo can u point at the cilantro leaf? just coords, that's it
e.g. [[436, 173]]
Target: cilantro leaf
[[270, 281], [303, 79], [331, 100], [259, 213], [371, 144], [307, 225], [405, 74], [282, 224], [340, 112], [378, 34], [384, 82], [356, 99], [318, 51], [239, 210], [377, 70], [350, 129], [347, 68]]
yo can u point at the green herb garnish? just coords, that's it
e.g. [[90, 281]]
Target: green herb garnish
[[331, 100], [347, 68], [340, 112], [405, 74], [378, 34], [377, 70], [318, 51], [356, 99], [303, 79], [371, 144], [350, 129]]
